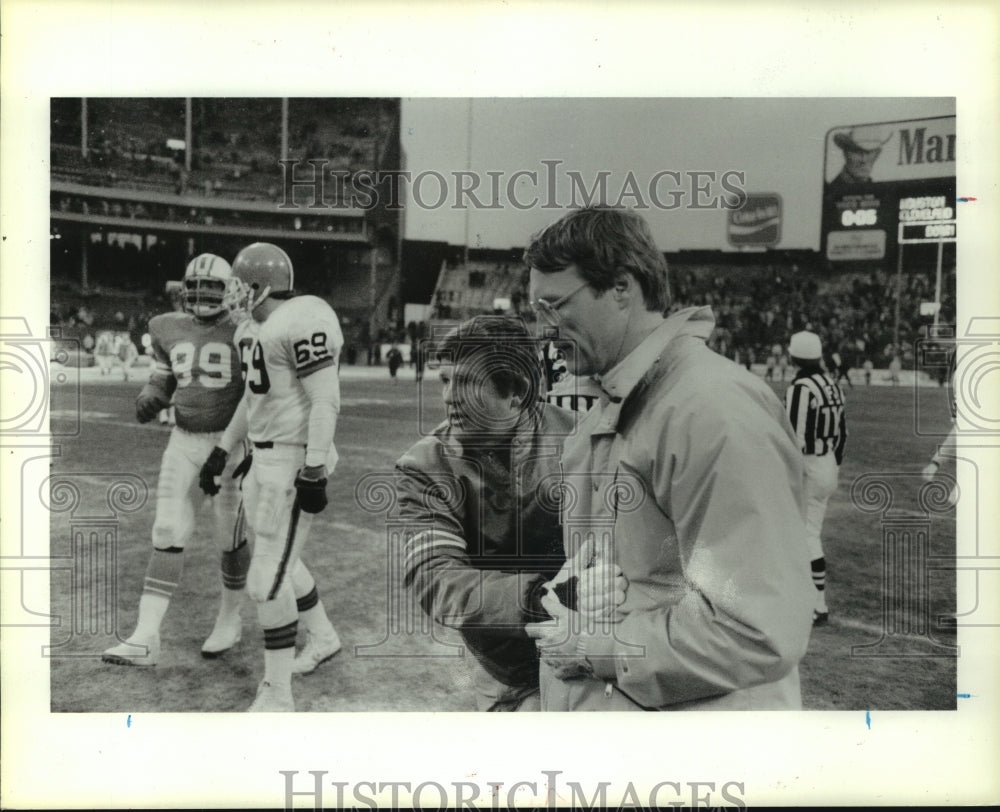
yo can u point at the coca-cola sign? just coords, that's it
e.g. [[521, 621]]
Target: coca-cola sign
[[756, 222]]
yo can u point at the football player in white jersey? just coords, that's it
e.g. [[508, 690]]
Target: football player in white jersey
[[104, 351], [126, 352], [196, 363], [289, 349]]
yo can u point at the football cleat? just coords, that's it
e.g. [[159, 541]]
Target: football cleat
[[820, 618], [316, 652], [273, 699], [206, 285], [226, 634], [260, 270], [134, 651]]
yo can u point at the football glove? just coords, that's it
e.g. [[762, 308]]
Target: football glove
[[568, 593], [213, 467], [589, 584], [311, 486], [243, 467], [147, 407]]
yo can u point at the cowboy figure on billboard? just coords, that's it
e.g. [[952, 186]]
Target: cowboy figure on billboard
[[861, 147]]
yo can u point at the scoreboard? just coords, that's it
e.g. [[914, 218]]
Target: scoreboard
[[886, 185], [927, 219]]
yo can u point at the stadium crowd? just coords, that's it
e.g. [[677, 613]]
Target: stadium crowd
[[854, 314], [756, 308], [138, 144]]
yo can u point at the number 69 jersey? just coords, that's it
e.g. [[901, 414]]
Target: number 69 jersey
[[301, 336], [199, 356]]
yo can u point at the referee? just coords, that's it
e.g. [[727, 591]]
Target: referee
[[815, 405], [565, 390]]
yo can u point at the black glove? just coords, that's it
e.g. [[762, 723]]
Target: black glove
[[534, 611], [147, 407], [568, 593], [243, 467], [213, 467], [311, 486]]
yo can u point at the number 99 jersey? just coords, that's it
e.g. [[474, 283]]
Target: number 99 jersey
[[301, 336], [200, 357]]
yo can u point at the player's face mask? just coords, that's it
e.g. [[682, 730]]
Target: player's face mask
[[205, 297], [242, 299]]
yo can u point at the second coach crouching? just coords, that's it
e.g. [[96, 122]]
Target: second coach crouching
[[477, 499]]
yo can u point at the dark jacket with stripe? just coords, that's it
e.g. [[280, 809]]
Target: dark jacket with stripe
[[480, 536]]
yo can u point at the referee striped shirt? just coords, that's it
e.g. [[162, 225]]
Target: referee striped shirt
[[815, 406], [573, 402], [578, 394]]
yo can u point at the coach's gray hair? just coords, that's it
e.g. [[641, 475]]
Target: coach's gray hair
[[604, 243]]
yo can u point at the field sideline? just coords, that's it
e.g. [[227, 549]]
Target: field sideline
[[382, 667]]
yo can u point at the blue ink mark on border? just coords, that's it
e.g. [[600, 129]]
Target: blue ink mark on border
[[868, 719], [964, 696], [128, 722]]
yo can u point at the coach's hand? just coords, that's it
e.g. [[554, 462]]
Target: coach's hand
[[147, 407], [589, 584], [213, 467], [311, 486], [572, 644]]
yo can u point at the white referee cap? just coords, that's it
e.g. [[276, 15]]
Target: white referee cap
[[805, 345]]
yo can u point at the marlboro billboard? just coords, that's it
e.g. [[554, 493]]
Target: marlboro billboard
[[876, 176], [756, 222]]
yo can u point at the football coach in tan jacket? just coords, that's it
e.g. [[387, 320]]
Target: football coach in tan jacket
[[685, 479]]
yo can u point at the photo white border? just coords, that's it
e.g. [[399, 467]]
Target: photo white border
[[495, 48]]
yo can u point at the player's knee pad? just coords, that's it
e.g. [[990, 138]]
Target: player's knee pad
[[302, 581], [279, 611], [273, 510], [174, 522], [172, 527], [265, 578]]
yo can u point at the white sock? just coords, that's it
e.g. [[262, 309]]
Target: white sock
[[229, 606], [316, 621], [152, 608], [278, 666]]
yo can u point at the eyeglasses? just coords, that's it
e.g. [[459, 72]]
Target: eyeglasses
[[550, 310]]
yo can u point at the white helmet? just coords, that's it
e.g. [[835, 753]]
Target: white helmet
[[207, 282]]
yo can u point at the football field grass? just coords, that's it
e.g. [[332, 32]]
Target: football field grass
[[392, 660]]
